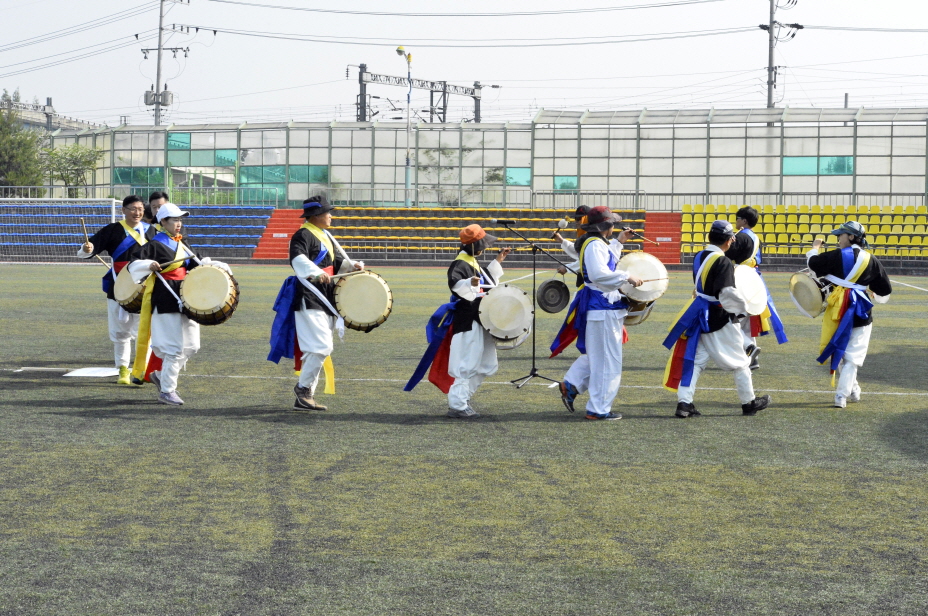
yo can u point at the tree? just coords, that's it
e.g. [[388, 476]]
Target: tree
[[71, 165], [20, 153], [6, 98]]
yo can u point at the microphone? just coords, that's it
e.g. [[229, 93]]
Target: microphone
[[502, 222], [561, 224]]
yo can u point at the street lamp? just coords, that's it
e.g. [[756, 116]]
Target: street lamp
[[400, 51]]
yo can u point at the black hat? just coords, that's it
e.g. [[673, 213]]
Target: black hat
[[581, 211], [316, 205], [600, 218]]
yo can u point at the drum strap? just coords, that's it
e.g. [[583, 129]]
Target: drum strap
[[323, 236]]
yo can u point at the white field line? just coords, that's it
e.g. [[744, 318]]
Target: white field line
[[658, 387]]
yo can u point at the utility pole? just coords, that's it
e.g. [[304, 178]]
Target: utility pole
[[158, 71], [159, 96], [773, 30]]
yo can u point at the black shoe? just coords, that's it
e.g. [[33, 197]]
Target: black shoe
[[757, 404], [685, 409], [136, 381], [569, 393], [308, 405], [753, 351]]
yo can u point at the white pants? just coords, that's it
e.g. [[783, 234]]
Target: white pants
[[725, 348], [853, 359], [472, 359], [599, 371], [314, 333], [122, 331], [174, 338], [747, 339]]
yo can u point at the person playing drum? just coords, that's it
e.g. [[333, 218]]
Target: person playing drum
[[122, 241], [708, 327], [315, 257], [174, 337], [746, 251], [596, 318], [848, 319]]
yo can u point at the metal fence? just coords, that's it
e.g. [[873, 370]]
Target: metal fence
[[496, 198]]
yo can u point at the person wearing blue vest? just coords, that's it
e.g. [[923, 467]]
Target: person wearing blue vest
[[709, 327], [596, 317], [175, 338], [315, 256], [122, 241], [858, 277], [746, 250]]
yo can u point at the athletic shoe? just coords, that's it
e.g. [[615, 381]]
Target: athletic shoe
[[569, 393], [840, 402], [855, 394], [686, 409], [467, 413], [305, 400], [170, 398], [606, 417], [757, 404], [753, 351], [123, 376], [135, 381], [155, 378]]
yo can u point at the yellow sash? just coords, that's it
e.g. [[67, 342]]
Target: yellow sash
[[837, 300], [470, 260], [322, 236], [328, 367], [143, 339], [133, 233]]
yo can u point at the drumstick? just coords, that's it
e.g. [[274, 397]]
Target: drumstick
[[84, 227], [347, 274], [654, 279], [174, 261], [636, 234]]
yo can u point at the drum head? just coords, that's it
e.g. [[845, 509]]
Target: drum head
[[364, 300], [206, 289], [751, 286], [807, 294], [646, 267], [506, 312], [125, 289], [552, 296]]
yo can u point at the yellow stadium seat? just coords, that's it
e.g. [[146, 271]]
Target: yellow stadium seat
[[770, 238], [898, 209], [687, 208], [807, 238], [897, 229], [909, 209], [733, 209], [816, 219], [918, 229], [905, 240], [815, 229], [686, 237], [686, 218], [916, 241], [779, 228], [709, 208], [779, 209], [795, 238], [792, 228], [921, 209], [782, 238], [803, 209], [782, 250], [831, 239], [828, 209], [795, 250], [863, 219], [804, 218], [698, 218], [792, 209], [921, 220], [839, 209], [698, 207], [804, 229], [792, 218], [767, 209], [850, 209], [816, 209]]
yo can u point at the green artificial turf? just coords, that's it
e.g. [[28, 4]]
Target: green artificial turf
[[111, 503]]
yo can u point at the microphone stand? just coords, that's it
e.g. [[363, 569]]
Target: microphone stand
[[522, 380]]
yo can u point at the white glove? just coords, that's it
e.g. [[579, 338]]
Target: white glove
[[223, 266], [139, 270], [206, 261]]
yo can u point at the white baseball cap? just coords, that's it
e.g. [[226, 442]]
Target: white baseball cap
[[169, 210]]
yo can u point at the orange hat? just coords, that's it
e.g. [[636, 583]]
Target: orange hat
[[474, 233]]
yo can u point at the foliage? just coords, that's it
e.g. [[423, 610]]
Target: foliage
[[71, 164], [6, 98], [440, 169], [20, 148]]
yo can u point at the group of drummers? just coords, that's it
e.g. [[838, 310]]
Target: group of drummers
[[159, 291]]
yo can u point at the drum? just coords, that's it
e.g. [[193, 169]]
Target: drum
[[129, 292], [506, 312], [646, 267], [210, 295], [508, 345], [638, 312], [809, 294], [364, 300], [552, 295], [751, 286]]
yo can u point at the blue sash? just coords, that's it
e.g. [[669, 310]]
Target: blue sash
[[283, 330], [858, 305], [124, 246], [435, 331]]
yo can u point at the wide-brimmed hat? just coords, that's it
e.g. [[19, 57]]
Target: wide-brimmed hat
[[721, 230], [600, 218], [474, 233], [169, 210], [315, 206], [851, 227]]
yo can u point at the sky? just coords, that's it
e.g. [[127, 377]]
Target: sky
[[267, 64]]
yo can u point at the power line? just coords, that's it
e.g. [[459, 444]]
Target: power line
[[83, 27], [502, 14], [80, 57], [135, 37], [368, 42]]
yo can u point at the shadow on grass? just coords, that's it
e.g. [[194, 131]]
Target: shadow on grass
[[97, 408], [902, 366], [907, 433]]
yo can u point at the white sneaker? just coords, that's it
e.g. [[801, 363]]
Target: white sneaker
[[855, 394], [840, 402]]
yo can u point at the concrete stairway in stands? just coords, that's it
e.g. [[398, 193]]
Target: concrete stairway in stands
[[664, 228]]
